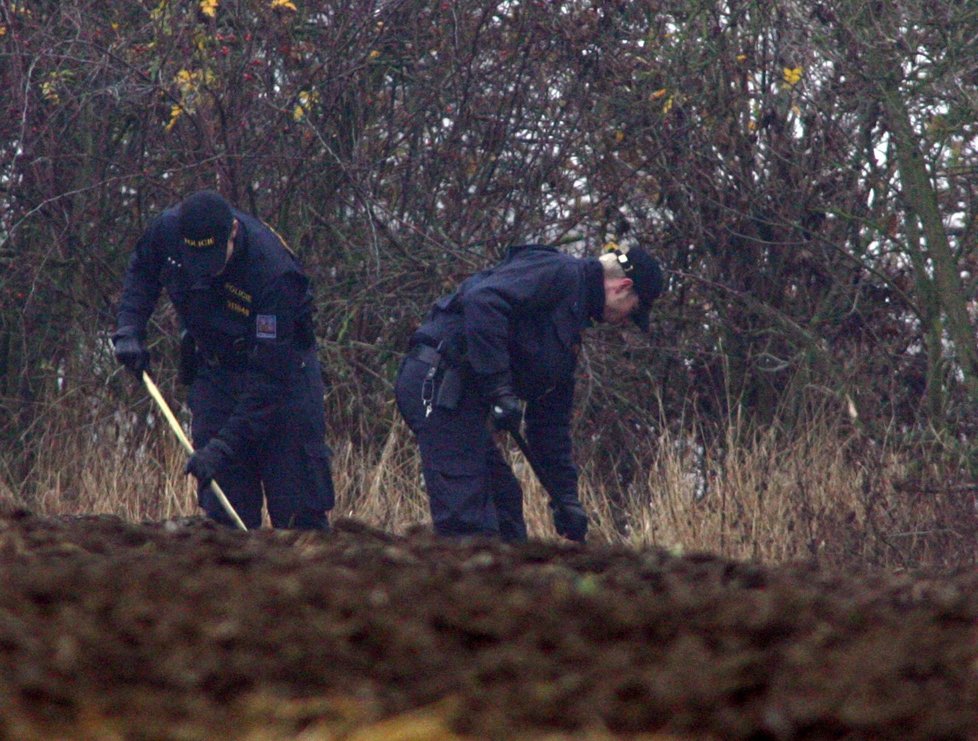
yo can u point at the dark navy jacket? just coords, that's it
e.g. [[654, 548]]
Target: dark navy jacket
[[519, 323], [255, 318]]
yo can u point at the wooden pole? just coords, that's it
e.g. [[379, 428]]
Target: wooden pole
[[182, 437]]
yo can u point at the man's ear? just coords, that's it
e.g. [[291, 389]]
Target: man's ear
[[626, 283]]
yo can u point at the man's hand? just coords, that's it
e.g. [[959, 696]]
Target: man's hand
[[506, 411], [131, 351], [570, 520], [207, 462]]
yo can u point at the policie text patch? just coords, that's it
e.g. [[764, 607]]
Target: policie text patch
[[265, 327]]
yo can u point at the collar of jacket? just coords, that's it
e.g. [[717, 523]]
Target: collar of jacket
[[594, 288]]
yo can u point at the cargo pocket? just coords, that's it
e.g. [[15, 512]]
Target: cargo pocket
[[320, 480]]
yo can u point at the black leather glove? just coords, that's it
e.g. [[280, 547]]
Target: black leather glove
[[188, 359], [570, 520], [130, 350], [506, 411], [207, 462]]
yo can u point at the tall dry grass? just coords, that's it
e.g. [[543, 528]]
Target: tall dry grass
[[825, 492]]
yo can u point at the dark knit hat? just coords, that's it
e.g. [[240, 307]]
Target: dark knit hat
[[646, 276], [204, 221]]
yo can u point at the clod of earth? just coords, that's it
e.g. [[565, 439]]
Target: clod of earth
[[184, 630]]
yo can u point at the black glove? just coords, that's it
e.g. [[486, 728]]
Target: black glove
[[506, 411], [188, 358], [207, 462], [130, 350], [570, 520]]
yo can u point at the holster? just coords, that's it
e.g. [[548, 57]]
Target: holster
[[443, 382], [450, 389]]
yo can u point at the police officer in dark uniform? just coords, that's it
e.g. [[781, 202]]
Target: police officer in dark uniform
[[249, 352], [509, 335]]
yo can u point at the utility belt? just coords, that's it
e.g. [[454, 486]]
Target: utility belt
[[233, 356], [193, 357], [442, 384]]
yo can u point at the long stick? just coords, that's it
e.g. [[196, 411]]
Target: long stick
[[524, 447], [175, 426]]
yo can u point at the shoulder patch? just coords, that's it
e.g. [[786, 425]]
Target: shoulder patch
[[266, 327]]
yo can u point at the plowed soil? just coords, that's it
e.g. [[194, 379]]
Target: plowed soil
[[182, 630]]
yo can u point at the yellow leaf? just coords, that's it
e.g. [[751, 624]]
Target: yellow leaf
[[298, 113], [374, 54], [792, 75], [619, 136], [668, 105], [658, 93], [188, 82], [175, 112], [284, 5], [49, 91], [741, 58], [209, 7], [307, 99]]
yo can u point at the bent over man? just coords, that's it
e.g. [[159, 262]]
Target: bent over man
[[506, 335], [249, 353]]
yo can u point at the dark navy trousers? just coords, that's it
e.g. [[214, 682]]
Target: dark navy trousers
[[289, 466], [471, 489]]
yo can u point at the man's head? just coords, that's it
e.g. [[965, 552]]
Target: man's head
[[207, 229], [632, 281]]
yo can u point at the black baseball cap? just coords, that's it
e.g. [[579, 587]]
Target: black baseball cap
[[204, 220], [646, 276]]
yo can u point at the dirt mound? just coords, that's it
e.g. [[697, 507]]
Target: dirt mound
[[184, 630]]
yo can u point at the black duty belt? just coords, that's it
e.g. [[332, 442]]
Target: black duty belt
[[233, 356]]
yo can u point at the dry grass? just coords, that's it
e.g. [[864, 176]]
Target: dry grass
[[825, 493], [821, 493], [385, 488]]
